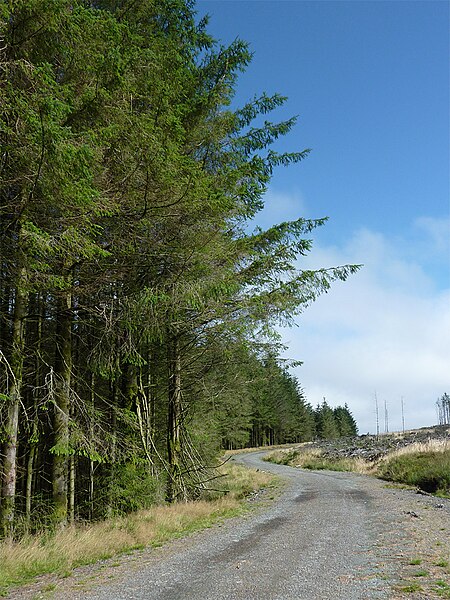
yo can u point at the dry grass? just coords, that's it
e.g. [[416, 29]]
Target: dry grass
[[312, 458], [425, 465], [263, 448], [23, 560], [419, 448]]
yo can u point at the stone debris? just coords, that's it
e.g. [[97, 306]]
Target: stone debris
[[371, 447]]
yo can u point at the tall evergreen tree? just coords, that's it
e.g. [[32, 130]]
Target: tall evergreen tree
[[133, 295]]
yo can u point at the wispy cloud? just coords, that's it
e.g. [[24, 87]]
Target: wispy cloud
[[280, 207], [437, 233]]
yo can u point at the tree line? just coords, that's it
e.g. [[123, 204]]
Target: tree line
[[137, 306]]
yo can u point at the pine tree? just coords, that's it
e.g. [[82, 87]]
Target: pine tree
[[327, 428], [134, 298], [345, 422]]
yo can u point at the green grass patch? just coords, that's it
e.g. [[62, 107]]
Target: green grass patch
[[441, 563], [421, 573], [442, 589], [410, 588], [415, 561], [429, 471], [318, 463], [283, 457]]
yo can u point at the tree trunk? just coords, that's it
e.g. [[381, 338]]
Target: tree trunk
[[91, 462], [14, 397], [174, 484], [63, 372], [113, 400], [29, 485], [37, 308], [129, 385], [72, 473]]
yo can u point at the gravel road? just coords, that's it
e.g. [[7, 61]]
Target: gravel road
[[329, 536]]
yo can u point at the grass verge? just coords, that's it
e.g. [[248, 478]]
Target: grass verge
[[425, 465], [425, 468], [22, 561], [312, 458]]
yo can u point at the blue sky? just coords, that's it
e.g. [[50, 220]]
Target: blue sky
[[369, 81]]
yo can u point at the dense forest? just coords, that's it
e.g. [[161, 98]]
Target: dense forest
[[138, 303]]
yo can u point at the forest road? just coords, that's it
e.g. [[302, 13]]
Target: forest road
[[317, 541]]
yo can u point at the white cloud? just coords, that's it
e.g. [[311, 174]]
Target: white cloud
[[387, 329], [279, 207], [437, 232]]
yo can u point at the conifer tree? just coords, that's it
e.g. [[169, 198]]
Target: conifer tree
[[134, 296]]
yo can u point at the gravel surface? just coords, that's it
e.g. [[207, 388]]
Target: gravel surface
[[329, 536]]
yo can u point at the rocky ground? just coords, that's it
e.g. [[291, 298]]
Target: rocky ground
[[415, 549], [372, 447]]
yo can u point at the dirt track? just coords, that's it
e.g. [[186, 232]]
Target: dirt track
[[330, 536]]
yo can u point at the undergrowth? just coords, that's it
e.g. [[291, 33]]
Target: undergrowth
[[21, 561]]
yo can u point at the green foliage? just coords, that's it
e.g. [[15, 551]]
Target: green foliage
[[326, 425], [429, 471], [127, 190], [334, 423], [133, 487]]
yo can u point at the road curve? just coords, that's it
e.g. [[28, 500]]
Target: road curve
[[314, 543]]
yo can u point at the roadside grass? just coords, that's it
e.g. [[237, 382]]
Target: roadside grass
[[312, 458], [337, 464], [425, 466], [422, 465], [21, 561]]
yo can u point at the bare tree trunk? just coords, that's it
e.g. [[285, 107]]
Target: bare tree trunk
[[29, 484], [34, 437], [130, 385], [14, 398], [63, 372], [91, 462], [72, 473], [174, 489], [113, 400]]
